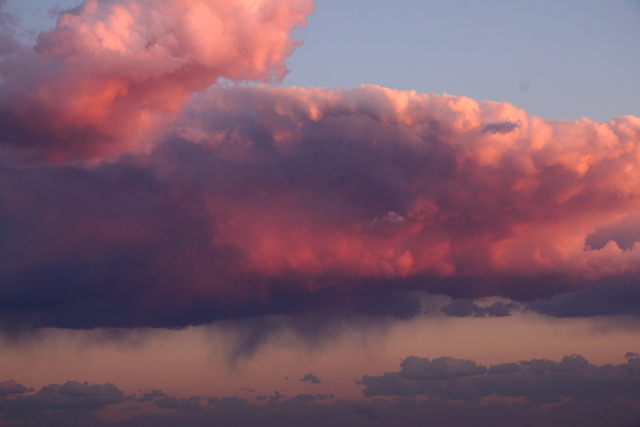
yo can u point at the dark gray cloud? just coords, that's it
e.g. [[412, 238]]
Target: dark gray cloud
[[72, 396], [11, 387], [277, 396], [537, 380], [605, 299], [192, 403], [325, 396], [502, 127], [624, 233], [233, 403], [440, 368], [311, 378], [148, 397], [468, 308], [505, 369]]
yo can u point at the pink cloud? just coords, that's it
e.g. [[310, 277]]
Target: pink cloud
[[515, 203], [112, 72]]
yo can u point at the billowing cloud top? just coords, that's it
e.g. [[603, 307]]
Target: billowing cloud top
[[112, 70], [259, 199], [381, 183]]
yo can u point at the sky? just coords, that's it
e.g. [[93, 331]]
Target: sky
[[286, 212]]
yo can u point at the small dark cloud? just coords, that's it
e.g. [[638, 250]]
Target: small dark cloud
[[229, 403], [596, 300], [326, 396], [502, 127], [72, 396], [147, 397], [468, 308], [624, 233], [261, 397], [277, 396], [192, 403], [311, 378], [440, 368], [631, 354], [505, 369], [301, 399], [11, 387]]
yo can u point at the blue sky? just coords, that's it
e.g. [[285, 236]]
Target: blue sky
[[555, 59]]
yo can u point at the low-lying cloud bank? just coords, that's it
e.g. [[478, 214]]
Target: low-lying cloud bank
[[530, 393], [134, 194], [537, 381]]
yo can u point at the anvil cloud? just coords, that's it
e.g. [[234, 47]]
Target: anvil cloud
[[132, 193]]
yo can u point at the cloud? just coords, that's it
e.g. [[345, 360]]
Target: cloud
[[148, 397], [11, 387], [624, 233], [391, 218], [502, 127], [467, 308], [441, 368], [602, 299], [8, 24], [325, 396], [113, 71], [311, 378], [277, 396], [73, 397], [539, 381], [256, 200], [306, 409], [192, 403]]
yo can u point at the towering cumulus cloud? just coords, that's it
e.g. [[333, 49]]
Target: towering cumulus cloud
[[379, 183], [112, 71], [255, 199]]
